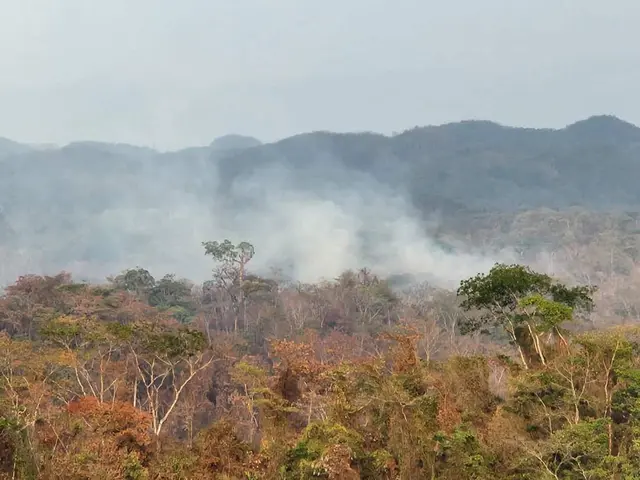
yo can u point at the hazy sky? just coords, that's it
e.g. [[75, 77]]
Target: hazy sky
[[169, 73]]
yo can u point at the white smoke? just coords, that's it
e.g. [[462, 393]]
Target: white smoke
[[163, 213]]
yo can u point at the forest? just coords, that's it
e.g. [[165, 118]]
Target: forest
[[281, 357], [255, 377]]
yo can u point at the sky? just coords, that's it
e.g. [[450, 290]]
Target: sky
[[170, 74]]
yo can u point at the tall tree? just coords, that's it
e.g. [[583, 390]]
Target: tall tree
[[230, 273], [166, 360]]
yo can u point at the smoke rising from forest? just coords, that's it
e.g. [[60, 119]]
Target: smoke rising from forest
[[314, 235], [157, 217]]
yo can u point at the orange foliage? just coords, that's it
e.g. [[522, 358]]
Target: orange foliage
[[120, 423], [448, 415], [98, 440], [298, 358], [404, 351], [297, 362]]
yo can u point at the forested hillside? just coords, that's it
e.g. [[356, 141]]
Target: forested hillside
[[247, 377], [95, 209], [332, 306], [474, 164]]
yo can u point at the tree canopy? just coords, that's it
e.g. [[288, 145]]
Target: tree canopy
[[347, 378]]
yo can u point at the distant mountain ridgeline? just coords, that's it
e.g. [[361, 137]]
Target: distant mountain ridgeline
[[474, 165], [477, 165], [91, 201]]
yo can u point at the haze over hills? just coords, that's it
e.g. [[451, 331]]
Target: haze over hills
[[313, 204]]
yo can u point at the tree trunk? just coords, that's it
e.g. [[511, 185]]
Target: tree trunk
[[512, 333], [536, 344]]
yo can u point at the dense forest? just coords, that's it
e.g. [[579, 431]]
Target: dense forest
[[283, 357], [246, 377]]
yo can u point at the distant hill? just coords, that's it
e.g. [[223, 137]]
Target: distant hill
[[234, 142], [112, 204], [9, 147], [477, 165]]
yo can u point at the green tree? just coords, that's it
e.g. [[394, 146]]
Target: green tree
[[523, 303], [134, 280], [230, 273], [173, 295]]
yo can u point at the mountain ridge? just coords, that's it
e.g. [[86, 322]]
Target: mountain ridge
[[610, 121], [95, 207]]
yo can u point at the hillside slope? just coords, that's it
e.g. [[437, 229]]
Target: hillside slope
[[320, 197], [474, 164]]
